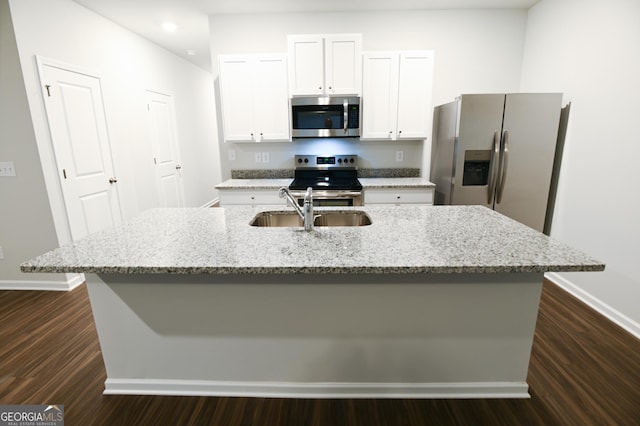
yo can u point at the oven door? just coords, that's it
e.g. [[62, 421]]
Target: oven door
[[325, 117], [331, 198]]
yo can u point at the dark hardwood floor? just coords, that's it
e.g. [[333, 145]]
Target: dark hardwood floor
[[584, 370]]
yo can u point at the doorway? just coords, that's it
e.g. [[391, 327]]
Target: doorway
[[80, 141], [166, 153]]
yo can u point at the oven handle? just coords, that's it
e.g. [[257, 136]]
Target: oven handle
[[328, 194]]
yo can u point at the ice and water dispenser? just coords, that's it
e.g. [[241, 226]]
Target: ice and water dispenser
[[476, 167]]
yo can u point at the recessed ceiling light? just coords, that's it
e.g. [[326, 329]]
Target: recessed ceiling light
[[169, 27]]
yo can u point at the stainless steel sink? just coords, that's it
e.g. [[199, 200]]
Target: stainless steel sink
[[328, 218]]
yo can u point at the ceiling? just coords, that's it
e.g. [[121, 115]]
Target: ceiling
[[191, 38]]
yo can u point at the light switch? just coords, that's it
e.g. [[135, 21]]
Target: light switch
[[265, 157], [258, 156], [232, 155], [1, 253], [7, 168], [399, 155]]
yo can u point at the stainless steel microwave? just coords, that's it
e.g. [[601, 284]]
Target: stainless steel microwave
[[324, 117]]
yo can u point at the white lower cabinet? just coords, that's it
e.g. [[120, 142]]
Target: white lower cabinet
[[250, 197], [398, 196]]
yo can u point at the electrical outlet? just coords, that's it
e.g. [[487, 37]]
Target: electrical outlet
[[232, 155], [258, 156], [7, 168], [1, 253], [265, 157], [399, 155]]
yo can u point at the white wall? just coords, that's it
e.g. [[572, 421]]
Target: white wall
[[590, 50], [128, 66], [33, 219], [475, 51], [18, 144]]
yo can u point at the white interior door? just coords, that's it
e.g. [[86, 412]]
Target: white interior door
[[78, 128], [162, 132]]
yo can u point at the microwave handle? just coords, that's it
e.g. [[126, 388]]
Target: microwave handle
[[345, 105]]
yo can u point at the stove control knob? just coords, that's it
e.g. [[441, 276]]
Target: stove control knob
[[306, 160], [299, 160], [351, 160], [339, 160]]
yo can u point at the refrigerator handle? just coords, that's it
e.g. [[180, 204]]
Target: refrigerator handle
[[503, 166], [495, 155]]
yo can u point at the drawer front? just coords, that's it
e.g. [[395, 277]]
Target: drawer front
[[250, 197], [398, 196]]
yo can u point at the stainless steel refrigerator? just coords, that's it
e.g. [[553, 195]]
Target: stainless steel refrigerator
[[497, 150]]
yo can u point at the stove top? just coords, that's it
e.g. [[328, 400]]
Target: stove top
[[328, 172]]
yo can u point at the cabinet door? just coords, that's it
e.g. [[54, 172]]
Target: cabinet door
[[306, 65], [415, 111], [271, 101], [343, 64], [380, 95], [236, 94], [250, 197], [398, 196]]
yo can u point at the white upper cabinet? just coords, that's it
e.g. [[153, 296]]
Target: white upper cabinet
[[397, 92], [254, 97], [325, 64]]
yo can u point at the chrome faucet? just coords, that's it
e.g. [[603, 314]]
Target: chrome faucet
[[306, 212]]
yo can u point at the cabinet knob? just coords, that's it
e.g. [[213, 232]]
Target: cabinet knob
[[399, 131], [113, 180], [329, 87], [319, 87], [397, 197], [178, 167]]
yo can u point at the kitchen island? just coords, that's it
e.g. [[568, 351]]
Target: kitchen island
[[426, 302]]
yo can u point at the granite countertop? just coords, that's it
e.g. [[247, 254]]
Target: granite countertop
[[397, 182], [254, 184], [394, 182], [412, 239]]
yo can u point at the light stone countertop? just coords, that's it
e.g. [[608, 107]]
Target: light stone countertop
[[274, 184], [411, 239], [395, 182]]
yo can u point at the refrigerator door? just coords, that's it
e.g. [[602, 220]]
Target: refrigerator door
[[479, 128], [530, 130]]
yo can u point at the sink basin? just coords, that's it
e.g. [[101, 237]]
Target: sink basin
[[328, 218]]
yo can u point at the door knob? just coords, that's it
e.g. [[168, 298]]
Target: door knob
[[113, 180]]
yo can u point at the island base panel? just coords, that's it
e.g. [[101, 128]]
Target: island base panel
[[315, 336]]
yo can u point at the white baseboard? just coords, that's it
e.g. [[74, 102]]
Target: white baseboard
[[73, 281], [316, 390], [210, 203], [612, 314]]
